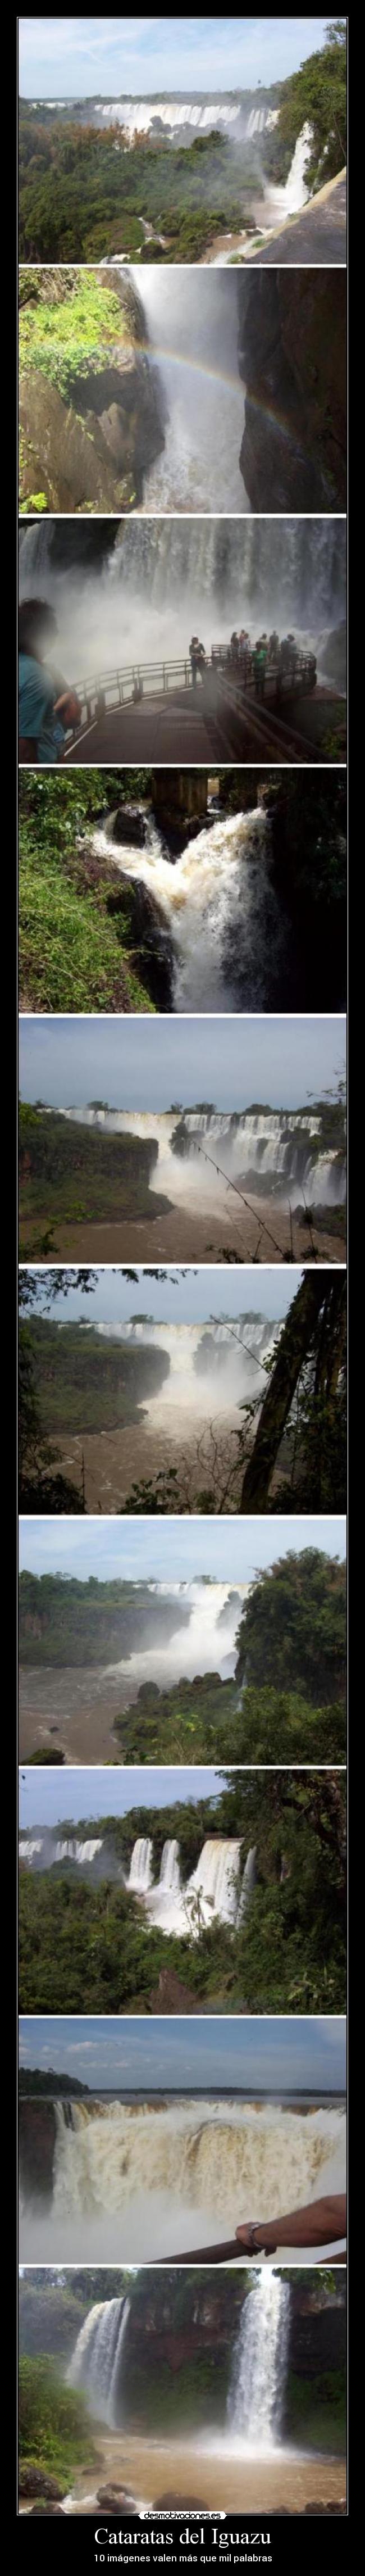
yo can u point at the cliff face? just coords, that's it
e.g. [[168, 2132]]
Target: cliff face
[[292, 357], [90, 401]]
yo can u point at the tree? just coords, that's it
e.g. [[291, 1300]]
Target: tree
[[316, 96], [315, 1327]]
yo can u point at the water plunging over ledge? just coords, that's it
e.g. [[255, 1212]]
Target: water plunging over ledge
[[193, 339], [230, 937]]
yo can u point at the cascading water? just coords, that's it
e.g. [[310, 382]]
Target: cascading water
[[166, 578], [140, 1875], [228, 931], [133, 2180], [215, 1880], [170, 1865], [256, 2397], [206, 1642], [83, 1853], [193, 338], [247, 1145], [97, 2361]]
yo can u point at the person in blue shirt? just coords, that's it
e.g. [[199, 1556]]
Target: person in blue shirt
[[46, 707]]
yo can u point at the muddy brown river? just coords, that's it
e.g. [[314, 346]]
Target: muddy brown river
[[217, 2477], [185, 1236]]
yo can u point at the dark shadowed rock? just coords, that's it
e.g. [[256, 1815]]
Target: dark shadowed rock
[[293, 361]]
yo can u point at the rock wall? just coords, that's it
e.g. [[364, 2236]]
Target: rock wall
[[292, 357]]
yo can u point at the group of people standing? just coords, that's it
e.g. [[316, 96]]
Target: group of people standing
[[249, 660]]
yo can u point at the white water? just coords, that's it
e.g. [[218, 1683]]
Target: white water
[[27, 1850], [273, 1143], [140, 1874], [190, 116], [207, 1644], [96, 2362], [211, 1894], [84, 1853], [193, 335], [218, 902], [170, 1866], [133, 2182], [277, 203], [169, 577], [233, 1372], [255, 2403]]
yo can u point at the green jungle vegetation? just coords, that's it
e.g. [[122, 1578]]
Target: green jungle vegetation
[[54, 2424], [82, 193], [80, 945], [64, 331], [52, 2311], [85, 1382], [65, 1621], [76, 1174], [91, 1947], [287, 1701], [32, 2079]]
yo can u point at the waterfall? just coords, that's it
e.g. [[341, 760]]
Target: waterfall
[[193, 338], [96, 2362], [215, 1879], [228, 931], [140, 1874], [170, 1866], [27, 1850], [84, 1853], [255, 2403], [126, 2174], [168, 576], [253, 1147]]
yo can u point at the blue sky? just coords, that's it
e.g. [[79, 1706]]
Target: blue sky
[[46, 1798], [149, 1063], [181, 1297], [181, 1552], [277, 2054], [69, 57]]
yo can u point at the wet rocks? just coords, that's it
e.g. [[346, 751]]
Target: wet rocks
[[35, 2481]]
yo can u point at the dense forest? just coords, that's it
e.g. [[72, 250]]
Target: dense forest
[[70, 1173], [91, 937], [83, 193], [190, 2318], [287, 1701], [92, 1948]]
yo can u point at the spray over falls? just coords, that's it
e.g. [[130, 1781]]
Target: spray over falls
[[131, 2180], [162, 578]]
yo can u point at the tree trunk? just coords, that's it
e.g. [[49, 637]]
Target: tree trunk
[[293, 1349]]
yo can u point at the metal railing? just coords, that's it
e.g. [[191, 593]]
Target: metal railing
[[128, 683]]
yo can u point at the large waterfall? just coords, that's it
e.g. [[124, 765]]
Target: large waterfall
[[166, 577], [138, 2178], [256, 2397], [229, 934], [73, 1694], [96, 2365], [271, 1152]]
